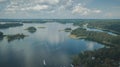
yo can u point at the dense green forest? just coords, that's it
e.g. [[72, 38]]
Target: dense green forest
[[109, 56], [104, 57], [101, 37]]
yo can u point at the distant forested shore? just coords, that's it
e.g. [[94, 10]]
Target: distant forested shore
[[107, 25]]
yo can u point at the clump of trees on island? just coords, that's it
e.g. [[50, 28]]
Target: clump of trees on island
[[67, 29], [12, 37], [15, 37], [31, 29]]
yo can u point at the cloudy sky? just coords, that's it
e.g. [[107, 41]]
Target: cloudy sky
[[60, 9]]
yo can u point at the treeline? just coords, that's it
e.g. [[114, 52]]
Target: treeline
[[7, 25]]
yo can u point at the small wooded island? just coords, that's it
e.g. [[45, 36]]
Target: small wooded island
[[67, 29], [31, 29], [15, 37], [12, 37], [109, 56]]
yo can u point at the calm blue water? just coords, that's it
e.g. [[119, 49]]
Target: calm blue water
[[46, 47]]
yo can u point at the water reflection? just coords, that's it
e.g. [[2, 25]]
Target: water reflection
[[92, 45], [1, 35], [32, 31], [1, 38], [46, 46]]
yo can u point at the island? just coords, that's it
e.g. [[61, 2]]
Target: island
[[67, 29], [12, 37], [31, 29], [15, 37], [42, 27]]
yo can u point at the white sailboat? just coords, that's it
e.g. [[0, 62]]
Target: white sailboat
[[44, 62]]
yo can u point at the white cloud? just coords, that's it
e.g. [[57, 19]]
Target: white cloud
[[83, 10], [53, 2], [69, 2], [51, 6], [36, 7], [80, 9], [97, 11], [63, 6], [55, 8]]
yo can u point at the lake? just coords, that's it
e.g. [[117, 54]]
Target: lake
[[47, 47]]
